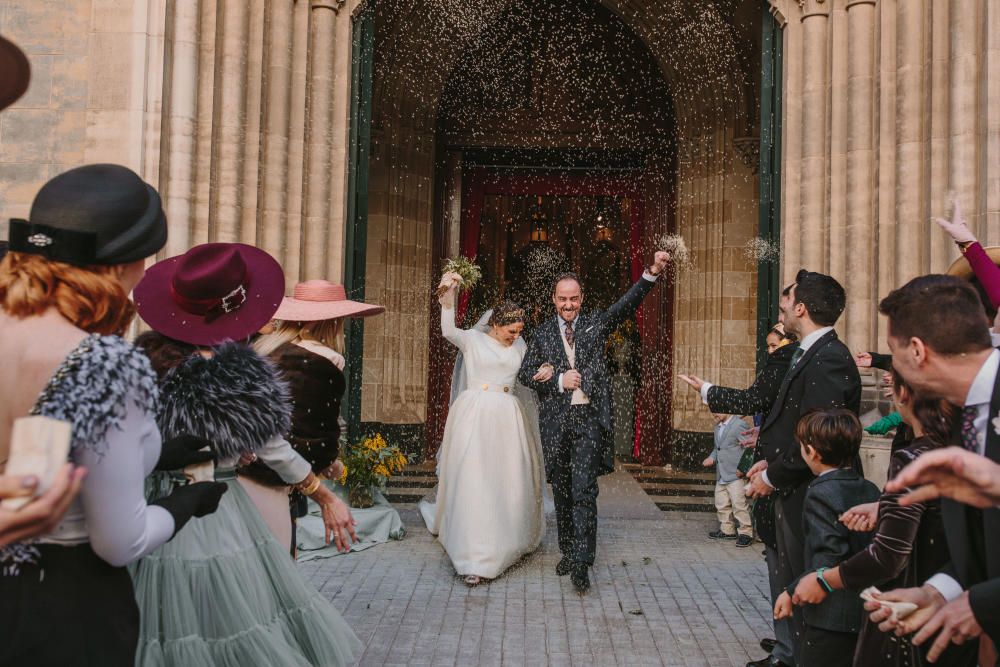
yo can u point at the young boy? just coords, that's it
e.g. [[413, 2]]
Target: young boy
[[730, 489], [829, 441]]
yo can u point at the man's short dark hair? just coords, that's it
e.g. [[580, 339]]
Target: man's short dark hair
[[835, 434], [942, 311], [822, 296], [568, 275]]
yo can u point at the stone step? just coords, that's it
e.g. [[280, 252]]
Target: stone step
[[691, 490], [682, 504]]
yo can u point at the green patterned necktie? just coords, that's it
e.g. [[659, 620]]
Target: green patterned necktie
[[796, 356]]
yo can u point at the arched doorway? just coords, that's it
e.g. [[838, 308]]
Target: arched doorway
[[554, 127], [497, 96]]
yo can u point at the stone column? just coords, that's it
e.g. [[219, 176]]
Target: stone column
[[296, 142], [815, 81], [963, 158], [791, 148], [860, 173], [886, 156], [911, 219], [316, 186], [180, 125], [228, 122], [942, 250], [204, 137], [274, 179], [841, 117], [250, 176], [342, 95], [992, 112]]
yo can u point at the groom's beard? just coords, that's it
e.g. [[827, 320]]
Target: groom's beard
[[569, 315]]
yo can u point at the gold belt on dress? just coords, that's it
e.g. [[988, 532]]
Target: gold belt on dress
[[489, 386]]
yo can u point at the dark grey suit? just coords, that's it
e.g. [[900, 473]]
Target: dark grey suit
[[577, 439]]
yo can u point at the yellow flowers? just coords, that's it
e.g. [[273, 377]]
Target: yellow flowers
[[382, 470], [370, 462], [342, 480]]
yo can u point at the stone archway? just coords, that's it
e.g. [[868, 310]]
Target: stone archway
[[704, 51]]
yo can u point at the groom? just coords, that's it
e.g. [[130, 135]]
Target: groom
[[574, 392]]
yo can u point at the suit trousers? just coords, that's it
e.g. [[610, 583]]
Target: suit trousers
[[827, 648], [574, 484], [791, 564], [784, 648], [730, 502]]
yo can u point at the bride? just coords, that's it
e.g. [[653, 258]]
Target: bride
[[488, 510]]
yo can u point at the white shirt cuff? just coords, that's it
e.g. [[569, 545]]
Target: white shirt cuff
[[704, 391], [649, 276], [946, 586], [763, 476], [559, 383]]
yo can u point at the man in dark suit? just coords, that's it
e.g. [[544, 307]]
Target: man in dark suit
[[574, 392], [822, 374], [941, 345]]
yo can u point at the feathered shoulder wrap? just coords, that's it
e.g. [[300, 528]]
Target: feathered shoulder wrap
[[235, 399], [93, 387]]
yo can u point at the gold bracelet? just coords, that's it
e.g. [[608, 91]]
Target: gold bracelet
[[309, 489], [963, 245]]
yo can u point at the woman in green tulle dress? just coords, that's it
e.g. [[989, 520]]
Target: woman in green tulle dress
[[225, 593]]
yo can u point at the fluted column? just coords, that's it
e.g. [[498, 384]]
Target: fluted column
[[992, 107], [813, 238], [203, 138], [342, 94], [860, 172], [911, 221], [942, 250], [316, 188], [791, 148], [963, 158], [841, 115], [254, 110], [181, 125], [886, 155], [296, 141], [274, 179]]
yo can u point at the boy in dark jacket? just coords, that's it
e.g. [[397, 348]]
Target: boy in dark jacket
[[829, 441]]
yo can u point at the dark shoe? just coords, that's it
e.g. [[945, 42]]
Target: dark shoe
[[767, 662], [744, 541], [719, 535], [580, 578], [768, 644], [565, 566]]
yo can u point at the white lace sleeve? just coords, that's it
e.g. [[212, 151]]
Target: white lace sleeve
[[457, 337]]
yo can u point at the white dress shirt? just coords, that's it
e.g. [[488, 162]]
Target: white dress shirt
[[980, 395]]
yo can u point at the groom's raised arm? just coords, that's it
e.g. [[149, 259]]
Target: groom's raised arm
[[632, 299]]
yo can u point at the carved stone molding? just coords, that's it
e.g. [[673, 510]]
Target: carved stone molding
[[778, 12], [335, 5]]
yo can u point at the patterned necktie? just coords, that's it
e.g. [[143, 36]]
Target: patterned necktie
[[969, 439], [569, 333], [796, 356]]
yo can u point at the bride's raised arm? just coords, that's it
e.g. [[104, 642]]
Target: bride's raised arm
[[449, 295]]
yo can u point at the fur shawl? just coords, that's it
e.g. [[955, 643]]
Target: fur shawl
[[93, 387], [234, 399]]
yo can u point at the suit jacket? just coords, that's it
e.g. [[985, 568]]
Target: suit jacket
[[728, 451], [761, 395], [828, 542], [591, 332], [825, 377], [974, 541]]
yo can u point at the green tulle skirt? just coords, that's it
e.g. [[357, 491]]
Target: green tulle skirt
[[224, 593]]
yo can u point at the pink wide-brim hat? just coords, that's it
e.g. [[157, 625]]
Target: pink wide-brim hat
[[315, 300]]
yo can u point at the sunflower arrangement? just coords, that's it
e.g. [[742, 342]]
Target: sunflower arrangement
[[368, 465], [465, 268]]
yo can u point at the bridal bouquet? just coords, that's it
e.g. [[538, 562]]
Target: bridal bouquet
[[465, 268], [369, 464]]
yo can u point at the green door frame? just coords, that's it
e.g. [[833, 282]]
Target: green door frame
[[769, 224], [356, 234]]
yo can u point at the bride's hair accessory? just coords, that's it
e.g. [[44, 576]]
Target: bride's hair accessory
[[506, 313]]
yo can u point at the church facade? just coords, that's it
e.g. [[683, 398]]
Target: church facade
[[366, 141]]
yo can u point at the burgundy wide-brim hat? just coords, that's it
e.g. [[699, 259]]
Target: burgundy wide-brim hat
[[212, 293], [15, 73], [316, 300]]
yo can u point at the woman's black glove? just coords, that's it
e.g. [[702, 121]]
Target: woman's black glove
[[196, 499], [183, 451]]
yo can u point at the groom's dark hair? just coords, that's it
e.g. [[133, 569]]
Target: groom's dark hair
[[568, 275], [822, 296]]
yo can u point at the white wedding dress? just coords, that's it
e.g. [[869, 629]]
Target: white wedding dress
[[488, 509]]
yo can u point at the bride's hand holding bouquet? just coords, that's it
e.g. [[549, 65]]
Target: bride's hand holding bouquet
[[447, 289]]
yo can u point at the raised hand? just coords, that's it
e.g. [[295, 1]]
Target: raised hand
[[660, 260], [952, 473], [956, 227], [693, 381]]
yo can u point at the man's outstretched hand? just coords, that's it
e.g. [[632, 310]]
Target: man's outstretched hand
[[951, 473], [660, 261], [693, 380]]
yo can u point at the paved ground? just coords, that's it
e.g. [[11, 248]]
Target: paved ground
[[663, 594]]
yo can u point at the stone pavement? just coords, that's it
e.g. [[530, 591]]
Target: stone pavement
[[663, 594]]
